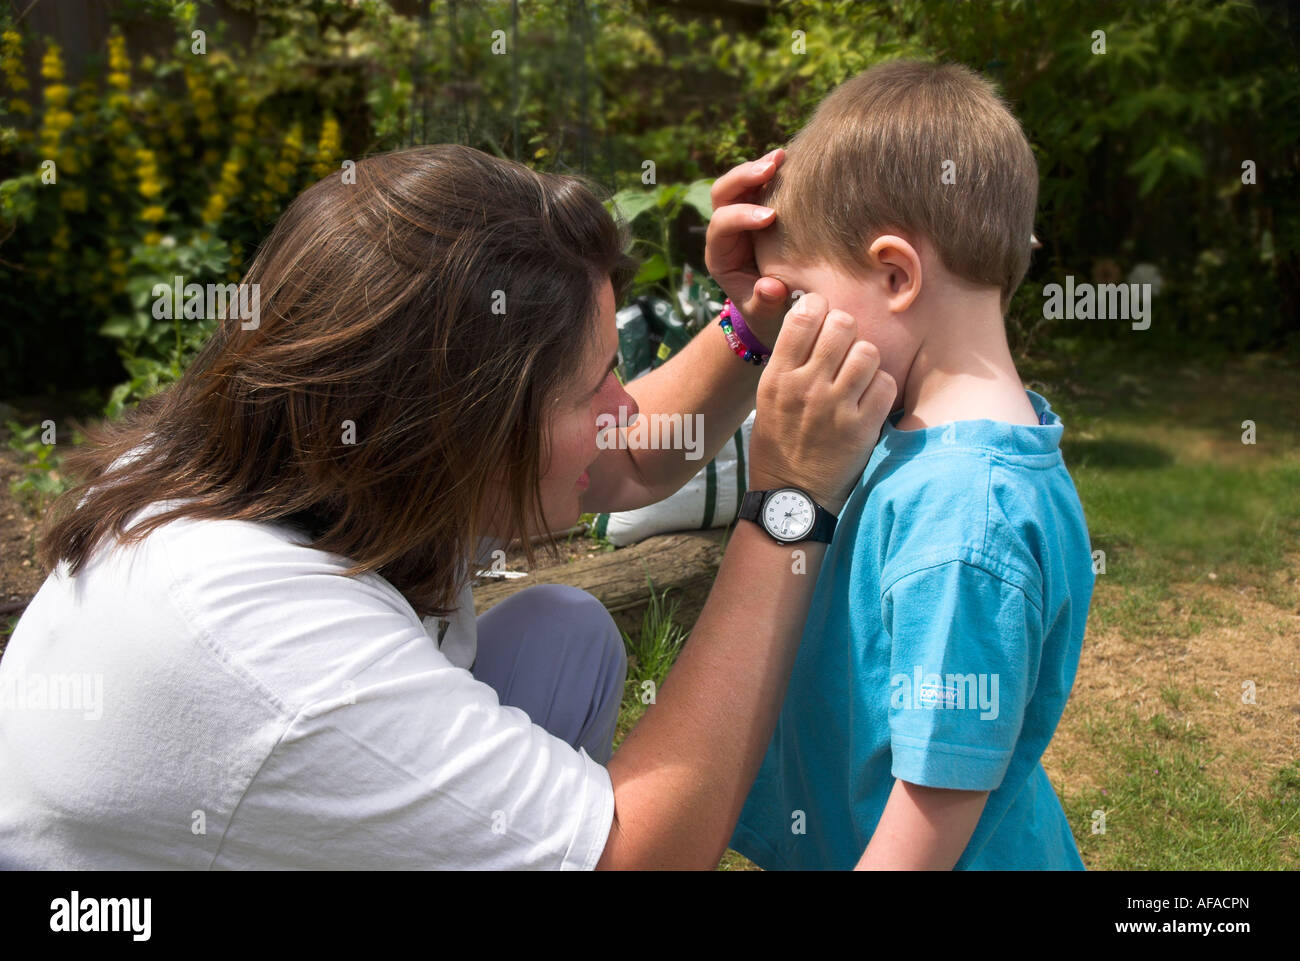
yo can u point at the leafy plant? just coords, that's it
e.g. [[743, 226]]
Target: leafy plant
[[40, 480], [155, 350], [660, 207]]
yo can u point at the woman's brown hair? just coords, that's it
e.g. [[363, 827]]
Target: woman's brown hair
[[438, 304]]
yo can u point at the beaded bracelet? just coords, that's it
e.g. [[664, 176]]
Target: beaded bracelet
[[740, 338]]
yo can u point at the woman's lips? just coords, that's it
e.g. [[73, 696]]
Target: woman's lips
[[583, 481]]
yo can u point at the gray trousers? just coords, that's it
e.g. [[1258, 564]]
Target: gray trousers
[[554, 652]]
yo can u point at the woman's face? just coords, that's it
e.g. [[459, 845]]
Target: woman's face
[[592, 391]]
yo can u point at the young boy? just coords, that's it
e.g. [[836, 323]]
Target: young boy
[[945, 629]]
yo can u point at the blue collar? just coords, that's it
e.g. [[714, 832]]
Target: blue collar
[[992, 434]]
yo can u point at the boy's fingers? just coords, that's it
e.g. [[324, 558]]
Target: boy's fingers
[[732, 185], [798, 334]]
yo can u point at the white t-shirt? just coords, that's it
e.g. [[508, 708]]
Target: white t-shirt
[[218, 698]]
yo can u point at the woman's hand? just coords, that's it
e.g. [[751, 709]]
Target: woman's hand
[[729, 249], [821, 402]]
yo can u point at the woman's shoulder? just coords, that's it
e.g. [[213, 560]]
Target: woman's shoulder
[[258, 597]]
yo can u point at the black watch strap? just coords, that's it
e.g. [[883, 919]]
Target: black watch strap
[[823, 529]]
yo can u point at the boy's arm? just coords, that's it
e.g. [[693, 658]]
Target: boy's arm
[[923, 829]]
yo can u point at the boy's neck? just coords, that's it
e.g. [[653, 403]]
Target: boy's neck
[[963, 370]]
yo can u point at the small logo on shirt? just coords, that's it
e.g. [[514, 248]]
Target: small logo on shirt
[[929, 692], [932, 695]]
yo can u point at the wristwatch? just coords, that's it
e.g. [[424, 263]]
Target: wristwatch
[[789, 515]]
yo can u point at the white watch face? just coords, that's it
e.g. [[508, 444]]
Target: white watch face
[[788, 515]]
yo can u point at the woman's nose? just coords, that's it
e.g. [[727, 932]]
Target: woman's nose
[[620, 404]]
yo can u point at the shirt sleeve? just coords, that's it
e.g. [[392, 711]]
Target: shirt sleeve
[[420, 771], [965, 645]]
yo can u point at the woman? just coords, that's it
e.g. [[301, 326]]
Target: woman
[[266, 575]]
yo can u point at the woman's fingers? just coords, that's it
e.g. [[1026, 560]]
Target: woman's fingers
[[821, 402], [728, 249], [839, 331], [730, 223], [860, 365], [878, 399], [798, 334], [731, 186], [765, 308]]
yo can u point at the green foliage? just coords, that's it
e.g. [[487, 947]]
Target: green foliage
[[156, 350], [652, 653], [660, 207], [1140, 149], [40, 480]]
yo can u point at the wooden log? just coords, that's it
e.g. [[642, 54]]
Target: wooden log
[[686, 562]]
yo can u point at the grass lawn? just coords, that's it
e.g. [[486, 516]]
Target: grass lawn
[[1180, 746]]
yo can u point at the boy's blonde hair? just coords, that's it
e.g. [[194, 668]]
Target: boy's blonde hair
[[872, 160]]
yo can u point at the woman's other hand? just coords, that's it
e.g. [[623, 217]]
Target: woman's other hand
[[729, 247], [822, 400]]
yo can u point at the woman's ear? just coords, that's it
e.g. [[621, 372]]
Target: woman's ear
[[900, 267]]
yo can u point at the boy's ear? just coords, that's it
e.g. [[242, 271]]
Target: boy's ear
[[900, 267]]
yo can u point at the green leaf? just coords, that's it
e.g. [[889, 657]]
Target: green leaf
[[698, 196], [633, 202], [119, 327], [668, 193], [655, 268], [1186, 160], [1150, 165]]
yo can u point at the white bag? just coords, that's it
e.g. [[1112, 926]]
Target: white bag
[[709, 499]]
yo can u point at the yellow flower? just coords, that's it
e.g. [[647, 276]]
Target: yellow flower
[[153, 237], [119, 67], [151, 184], [152, 214], [214, 208], [243, 124], [11, 60], [205, 107], [52, 63], [327, 147]]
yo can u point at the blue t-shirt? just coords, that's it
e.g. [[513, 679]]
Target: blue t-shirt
[[940, 648]]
